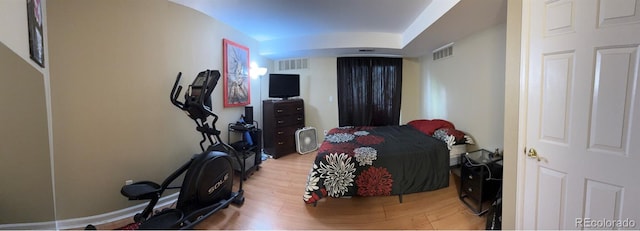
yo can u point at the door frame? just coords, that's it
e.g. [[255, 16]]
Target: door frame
[[523, 112], [516, 102]]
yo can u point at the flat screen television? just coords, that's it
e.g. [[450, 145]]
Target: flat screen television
[[284, 86]]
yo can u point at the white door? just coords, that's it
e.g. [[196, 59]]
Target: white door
[[583, 115]]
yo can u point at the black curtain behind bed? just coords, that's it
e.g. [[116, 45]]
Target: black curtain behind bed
[[369, 90]]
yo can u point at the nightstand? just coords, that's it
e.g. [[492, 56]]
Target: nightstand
[[480, 179]]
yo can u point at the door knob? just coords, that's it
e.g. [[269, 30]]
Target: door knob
[[533, 154]]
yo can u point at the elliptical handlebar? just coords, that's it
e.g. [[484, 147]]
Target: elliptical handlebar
[[176, 92]]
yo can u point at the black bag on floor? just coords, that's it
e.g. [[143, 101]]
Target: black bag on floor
[[494, 216]]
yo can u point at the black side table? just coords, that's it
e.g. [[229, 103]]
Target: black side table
[[480, 180], [250, 152]]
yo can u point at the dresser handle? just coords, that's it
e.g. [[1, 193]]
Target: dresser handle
[[280, 133], [470, 189], [279, 110], [280, 143], [299, 119], [470, 177], [280, 122], [298, 108]]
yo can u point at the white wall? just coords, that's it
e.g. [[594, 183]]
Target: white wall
[[13, 27], [467, 88], [14, 32], [318, 88]]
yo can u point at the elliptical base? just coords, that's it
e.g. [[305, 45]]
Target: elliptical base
[[168, 219]]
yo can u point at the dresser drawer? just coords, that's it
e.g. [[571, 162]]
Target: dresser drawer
[[473, 190], [288, 108], [284, 146], [284, 139], [473, 180], [285, 132], [289, 120], [475, 183]]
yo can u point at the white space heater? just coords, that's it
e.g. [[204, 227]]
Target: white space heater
[[306, 140]]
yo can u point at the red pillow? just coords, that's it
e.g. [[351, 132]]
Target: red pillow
[[430, 126]]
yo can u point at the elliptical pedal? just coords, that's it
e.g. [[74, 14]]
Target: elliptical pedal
[[143, 190]]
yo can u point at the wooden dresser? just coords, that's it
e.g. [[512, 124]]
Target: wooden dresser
[[281, 119]]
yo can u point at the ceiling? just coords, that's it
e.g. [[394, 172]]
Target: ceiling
[[310, 28]]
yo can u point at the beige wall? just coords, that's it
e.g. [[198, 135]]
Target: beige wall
[[25, 166], [411, 108], [467, 88], [26, 194], [318, 87], [113, 63], [112, 66]]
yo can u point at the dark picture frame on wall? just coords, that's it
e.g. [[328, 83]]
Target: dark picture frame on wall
[[235, 74], [36, 39]]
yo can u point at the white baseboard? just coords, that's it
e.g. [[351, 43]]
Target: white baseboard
[[100, 219], [47, 225]]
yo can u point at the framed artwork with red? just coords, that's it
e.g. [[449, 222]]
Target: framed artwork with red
[[235, 74]]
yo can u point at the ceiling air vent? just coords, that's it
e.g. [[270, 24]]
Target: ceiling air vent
[[293, 64], [442, 52]]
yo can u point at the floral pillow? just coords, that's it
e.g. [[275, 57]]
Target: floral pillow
[[444, 134]]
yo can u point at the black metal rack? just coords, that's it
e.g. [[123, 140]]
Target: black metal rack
[[250, 151]]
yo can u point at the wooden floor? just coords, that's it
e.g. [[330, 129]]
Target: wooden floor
[[274, 201]]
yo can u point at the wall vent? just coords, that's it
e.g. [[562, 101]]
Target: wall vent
[[442, 52], [292, 64]]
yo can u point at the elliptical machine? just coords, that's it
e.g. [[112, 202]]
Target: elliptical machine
[[208, 182]]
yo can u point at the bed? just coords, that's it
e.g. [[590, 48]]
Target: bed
[[378, 161]]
